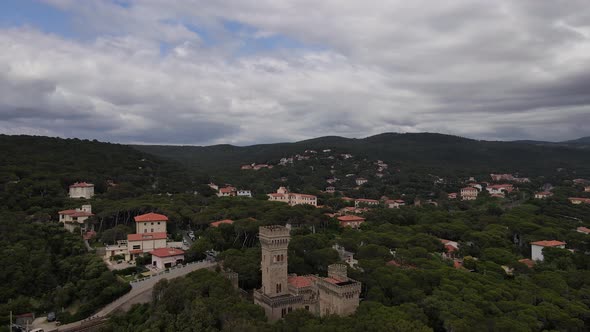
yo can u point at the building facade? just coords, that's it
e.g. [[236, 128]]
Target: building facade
[[77, 218], [82, 190], [469, 193], [538, 246], [164, 258], [282, 293], [283, 195]]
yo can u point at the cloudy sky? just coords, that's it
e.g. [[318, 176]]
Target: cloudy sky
[[259, 71]]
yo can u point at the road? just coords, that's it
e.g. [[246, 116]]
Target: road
[[141, 292]]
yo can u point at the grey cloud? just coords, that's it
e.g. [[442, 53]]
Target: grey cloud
[[489, 69]]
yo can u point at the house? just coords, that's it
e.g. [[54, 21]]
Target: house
[[150, 234], [331, 190], [361, 181], [522, 180], [452, 196], [451, 248], [246, 167], [77, 218], [221, 222], [213, 186], [366, 202], [582, 229], [283, 195], [538, 246], [82, 190], [261, 166], [543, 194], [138, 244], [528, 262], [331, 180], [477, 186], [502, 177], [469, 194], [579, 200], [345, 256], [150, 223], [580, 181], [394, 203], [281, 293], [227, 192], [500, 189], [244, 193], [351, 221], [163, 258]]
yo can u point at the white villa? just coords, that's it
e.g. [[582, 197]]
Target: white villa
[[537, 248], [150, 234], [82, 190], [283, 195], [77, 218]]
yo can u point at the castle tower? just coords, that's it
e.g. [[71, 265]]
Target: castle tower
[[274, 241], [274, 296]]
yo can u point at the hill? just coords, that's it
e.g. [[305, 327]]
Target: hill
[[426, 151], [36, 171]]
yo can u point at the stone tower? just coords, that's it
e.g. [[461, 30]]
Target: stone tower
[[274, 241], [274, 295]]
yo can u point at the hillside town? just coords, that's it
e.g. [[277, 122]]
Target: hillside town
[[317, 247]]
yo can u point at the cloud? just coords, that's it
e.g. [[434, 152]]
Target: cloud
[[242, 72]]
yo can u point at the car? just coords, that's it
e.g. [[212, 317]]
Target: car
[[51, 316]]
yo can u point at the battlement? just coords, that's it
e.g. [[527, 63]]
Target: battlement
[[273, 231], [348, 287], [338, 271], [277, 301]]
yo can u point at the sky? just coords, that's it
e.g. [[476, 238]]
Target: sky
[[204, 72]]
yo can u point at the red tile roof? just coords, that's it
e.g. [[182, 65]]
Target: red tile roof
[[167, 252], [146, 236], [581, 199], [74, 213], [81, 185], [351, 218], [227, 190], [545, 243], [151, 217], [225, 221], [528, 262], [300, 281]]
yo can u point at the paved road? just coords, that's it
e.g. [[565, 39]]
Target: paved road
[[141, 292]]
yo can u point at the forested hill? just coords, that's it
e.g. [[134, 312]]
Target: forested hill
[[36, 171], [430, 152]]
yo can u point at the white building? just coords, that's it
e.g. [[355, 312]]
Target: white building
[[283, 195], [469, 193], [150, 223], [394, 203], [361, 181], [77, 218], [164, 258], [244, 193], [537, 248], [82, 190]]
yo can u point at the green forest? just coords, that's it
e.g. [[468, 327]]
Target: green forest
[[407, 283]]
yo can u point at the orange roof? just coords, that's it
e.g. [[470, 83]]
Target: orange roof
[[583, 229], [151, 217], [545, 243], [300, 281], [81, 185], [166, 252], [450, 248], [528, 262], [227, 190], [146, 236], [67, 212], [351, 218], [75, 213], [225, 221]]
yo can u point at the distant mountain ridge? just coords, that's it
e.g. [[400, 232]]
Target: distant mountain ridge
[[426, 150]]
